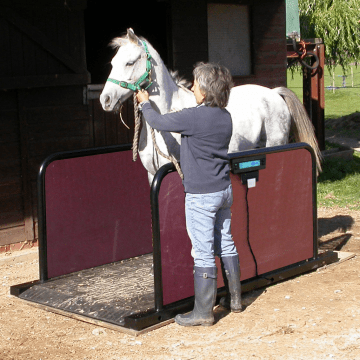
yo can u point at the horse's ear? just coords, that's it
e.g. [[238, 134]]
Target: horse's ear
[[132, 37]]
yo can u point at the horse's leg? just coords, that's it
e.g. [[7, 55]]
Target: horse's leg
[[146, 151], [150, 178]]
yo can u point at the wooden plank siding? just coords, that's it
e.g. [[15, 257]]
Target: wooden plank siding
[[42, 77], [41, 123], [12, 219], [108, 127], [42, 46]]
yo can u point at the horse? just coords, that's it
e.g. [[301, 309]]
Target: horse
[[261, 117]]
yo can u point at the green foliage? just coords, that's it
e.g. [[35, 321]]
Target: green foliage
[[337, 23]]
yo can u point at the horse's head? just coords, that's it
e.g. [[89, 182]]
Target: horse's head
[[129, 65]]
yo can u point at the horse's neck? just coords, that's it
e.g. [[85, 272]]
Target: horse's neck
[[165, 93], [166, 97], [183, 98]]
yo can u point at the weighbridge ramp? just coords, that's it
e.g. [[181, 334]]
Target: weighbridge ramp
[[114, 251]]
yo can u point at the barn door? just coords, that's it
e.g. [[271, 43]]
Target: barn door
[[42, 75], [109, 129], [42, 45], [12, 214]]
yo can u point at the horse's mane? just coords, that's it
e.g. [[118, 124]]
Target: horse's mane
[[120, 41], [179, 80], [116, 42]]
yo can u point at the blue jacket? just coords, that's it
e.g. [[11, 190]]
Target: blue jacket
[[205, 136]]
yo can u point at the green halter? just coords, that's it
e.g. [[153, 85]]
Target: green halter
[[145, 79]]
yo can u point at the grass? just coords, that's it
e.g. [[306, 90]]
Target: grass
[[338, 185], [344, 101]]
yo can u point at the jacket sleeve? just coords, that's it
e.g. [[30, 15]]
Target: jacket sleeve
[[181, 122]]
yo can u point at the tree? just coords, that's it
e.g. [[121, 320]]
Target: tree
[[337, 22]]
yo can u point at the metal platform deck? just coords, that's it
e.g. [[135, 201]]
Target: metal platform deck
[[107, 293]]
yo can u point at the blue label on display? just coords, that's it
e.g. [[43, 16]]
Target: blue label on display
[[249, 164]]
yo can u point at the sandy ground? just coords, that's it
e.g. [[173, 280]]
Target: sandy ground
[[313, 316]]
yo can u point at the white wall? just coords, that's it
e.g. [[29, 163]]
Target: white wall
[[229, 37]]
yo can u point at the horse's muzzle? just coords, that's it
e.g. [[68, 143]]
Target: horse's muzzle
[[106, 102]]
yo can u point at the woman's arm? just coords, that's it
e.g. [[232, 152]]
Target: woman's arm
[[181, 122]]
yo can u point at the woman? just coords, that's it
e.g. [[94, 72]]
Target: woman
[[205, 135]]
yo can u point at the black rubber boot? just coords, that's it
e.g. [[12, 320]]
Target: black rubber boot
[[205, 286], [231, 274]]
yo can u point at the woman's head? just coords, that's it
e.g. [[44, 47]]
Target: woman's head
[[214, 83]]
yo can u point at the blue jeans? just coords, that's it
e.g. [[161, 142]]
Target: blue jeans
[[208, 223]]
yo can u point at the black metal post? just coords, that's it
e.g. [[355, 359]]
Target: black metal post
[[43, 265], [155, 219]]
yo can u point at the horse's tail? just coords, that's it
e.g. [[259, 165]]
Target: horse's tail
[[301, 126]]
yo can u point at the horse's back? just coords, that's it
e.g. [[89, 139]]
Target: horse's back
[[260, 117], [254, 94]]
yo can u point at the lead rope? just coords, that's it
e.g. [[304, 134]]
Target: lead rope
[[170, 158], [136, 140], [137, 128]]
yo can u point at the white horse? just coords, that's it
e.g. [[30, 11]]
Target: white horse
[[261, 116]]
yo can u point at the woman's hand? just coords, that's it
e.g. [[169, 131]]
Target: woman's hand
[[142, 95]]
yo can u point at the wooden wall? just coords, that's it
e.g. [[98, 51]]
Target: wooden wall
[[43, 105], [41, 50], [34, 125], [42, 43], [12, 224]]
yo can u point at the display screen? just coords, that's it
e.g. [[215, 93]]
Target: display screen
[[249, 164]]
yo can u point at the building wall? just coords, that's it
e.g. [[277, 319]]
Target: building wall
[[269, 43], [268, 26], [44, 77]]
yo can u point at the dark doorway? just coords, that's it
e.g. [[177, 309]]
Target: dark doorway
[[106, 20]]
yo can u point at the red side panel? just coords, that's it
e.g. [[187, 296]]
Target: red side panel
[[97, 211], [281, 214], [281, 222]]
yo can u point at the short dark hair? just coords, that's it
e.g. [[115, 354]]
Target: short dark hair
[[215, 82]]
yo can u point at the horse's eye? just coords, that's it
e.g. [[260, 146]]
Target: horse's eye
[[130, 63]]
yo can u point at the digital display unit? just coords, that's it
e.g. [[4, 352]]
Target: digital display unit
[[248, 164]]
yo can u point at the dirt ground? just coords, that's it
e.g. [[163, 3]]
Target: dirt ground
[[313, 316]]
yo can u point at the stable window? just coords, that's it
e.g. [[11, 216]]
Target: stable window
[[229, 37]]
